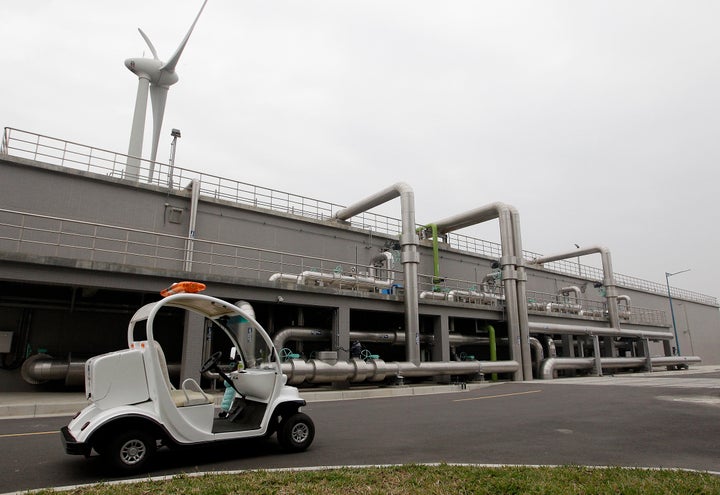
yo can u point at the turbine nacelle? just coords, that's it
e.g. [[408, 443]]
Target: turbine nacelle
[[152, 70]]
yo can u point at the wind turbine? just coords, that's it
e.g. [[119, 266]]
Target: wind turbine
[[157, 77]]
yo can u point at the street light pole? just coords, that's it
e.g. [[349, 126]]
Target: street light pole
[[579, 266], [672, 311], [175, 135]]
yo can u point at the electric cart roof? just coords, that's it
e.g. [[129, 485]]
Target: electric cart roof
[[208, 306]]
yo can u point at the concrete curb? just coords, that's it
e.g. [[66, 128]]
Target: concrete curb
[[339, 467]]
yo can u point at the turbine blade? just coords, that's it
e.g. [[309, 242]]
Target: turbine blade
[[149, 43], [158, 96], [172, 61]]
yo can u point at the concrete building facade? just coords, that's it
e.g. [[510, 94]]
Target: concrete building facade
[[82, 247]]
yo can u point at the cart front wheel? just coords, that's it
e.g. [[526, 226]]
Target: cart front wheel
[[296, 433]]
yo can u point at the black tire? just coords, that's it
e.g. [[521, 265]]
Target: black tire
[[296, 433], [130, 451]]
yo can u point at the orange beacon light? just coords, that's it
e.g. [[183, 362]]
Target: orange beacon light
[[183, 287]]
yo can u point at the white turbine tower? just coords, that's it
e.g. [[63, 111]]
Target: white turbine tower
[[157, 77]]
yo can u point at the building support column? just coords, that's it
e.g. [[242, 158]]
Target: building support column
[[596, 351], [441, 343], [341, 332], [644, 351]]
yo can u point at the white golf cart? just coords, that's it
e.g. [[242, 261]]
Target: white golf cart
[[134, 408]]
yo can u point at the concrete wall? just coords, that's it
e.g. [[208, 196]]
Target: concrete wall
[[144, 229]]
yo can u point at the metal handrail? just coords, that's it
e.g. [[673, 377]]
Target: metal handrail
[[147, 248], [103, 242], [559, 303], [74, 155], [77, 156]]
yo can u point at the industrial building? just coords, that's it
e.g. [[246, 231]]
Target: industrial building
[[85, 241]]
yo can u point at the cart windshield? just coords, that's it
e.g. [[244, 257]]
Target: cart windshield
[[248, 347]]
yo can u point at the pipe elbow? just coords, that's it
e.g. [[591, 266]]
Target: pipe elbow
[[403, 188], [547, 369], [625, 298]]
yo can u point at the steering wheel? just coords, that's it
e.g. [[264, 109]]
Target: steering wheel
[[211, 362]]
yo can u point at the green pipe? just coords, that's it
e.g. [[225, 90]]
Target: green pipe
[[493, 347], [436, 254]]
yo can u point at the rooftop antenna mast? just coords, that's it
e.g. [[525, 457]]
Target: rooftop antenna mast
[[155, 77]]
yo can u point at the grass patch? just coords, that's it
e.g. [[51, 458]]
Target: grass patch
[[423, 480]]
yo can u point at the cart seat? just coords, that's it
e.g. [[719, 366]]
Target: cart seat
[[190, 394]]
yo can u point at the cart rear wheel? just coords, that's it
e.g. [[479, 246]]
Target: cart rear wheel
[[296, 433], [130, 451]]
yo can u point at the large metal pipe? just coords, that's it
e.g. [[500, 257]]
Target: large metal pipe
[[281, 338], [536, 346], [511, 259], [549, 366], [429, 294], [571, 288], [558, 328], [331, 278], [627, 312], [566, 307], [550, 343], [42, 368], [467, 296], [386, 257], [297, 333], [523, 320], [625, 299], [608, 275], [410, 258], [190, 242], [375, 370]]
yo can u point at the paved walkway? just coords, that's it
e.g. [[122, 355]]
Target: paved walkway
[[695, 377]]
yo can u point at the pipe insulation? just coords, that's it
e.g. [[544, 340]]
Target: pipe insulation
[[561, 329], [376, 370], [190, 242], [331, 278], [608, 275], [513, 273], [550, 365], [285, 335], [42, 368], [410, 258], [537, 347]]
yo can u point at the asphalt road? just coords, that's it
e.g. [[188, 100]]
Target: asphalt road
[[510, 423]]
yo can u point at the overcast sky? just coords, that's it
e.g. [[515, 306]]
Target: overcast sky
[[597, 120]]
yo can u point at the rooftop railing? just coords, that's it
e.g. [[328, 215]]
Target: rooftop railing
[[49, 236], [77, 156], [564, 304]]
